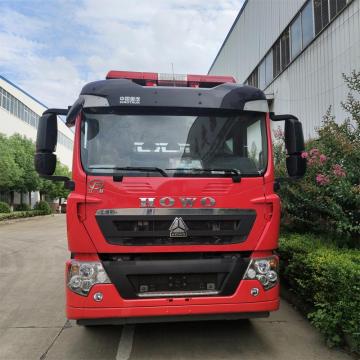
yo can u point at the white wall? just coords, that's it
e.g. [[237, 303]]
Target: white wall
[[259, 25], [313, 81]]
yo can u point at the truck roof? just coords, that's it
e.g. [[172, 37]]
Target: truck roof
[[127, 92]]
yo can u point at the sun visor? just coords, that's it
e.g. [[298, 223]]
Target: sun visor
[[123, 93]]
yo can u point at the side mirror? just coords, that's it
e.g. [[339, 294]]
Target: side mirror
[[296, 166], [46, 140], [45, 163], [294, 144], [294, 137]]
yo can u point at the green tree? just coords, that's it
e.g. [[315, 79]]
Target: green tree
[[10, 172], [53, 189], [23, 150], [327, 200]]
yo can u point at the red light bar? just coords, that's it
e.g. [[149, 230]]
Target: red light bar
[[210, 79], [132, 75], [155, 79]]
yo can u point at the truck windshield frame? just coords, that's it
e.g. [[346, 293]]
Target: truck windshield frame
[[177, 142]]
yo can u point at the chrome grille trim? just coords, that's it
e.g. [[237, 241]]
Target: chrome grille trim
[[178, 293], [172, 211]]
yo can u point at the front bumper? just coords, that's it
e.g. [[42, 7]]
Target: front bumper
[[113, 306]]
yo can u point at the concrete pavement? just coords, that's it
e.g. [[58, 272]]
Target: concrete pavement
[[33, 323]]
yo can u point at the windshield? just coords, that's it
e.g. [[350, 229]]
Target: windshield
[[174, 145]]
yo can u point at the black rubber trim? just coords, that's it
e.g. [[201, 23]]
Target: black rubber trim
[[178, 318]]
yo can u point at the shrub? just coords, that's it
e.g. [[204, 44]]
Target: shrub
[[326, 280], [327, 199], [43, 206], [21, 214], [22, 207], [4, 207]]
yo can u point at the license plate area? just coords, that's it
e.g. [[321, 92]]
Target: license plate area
[[176, 285]]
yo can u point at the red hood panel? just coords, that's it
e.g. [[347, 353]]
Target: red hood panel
[[104, 193]]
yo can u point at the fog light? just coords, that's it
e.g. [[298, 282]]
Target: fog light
[[98, 296], [254, 291]]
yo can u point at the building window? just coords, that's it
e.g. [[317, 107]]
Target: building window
[[11, 108], [307, 24], [21, 111], [314, 16], [296, 37], [277, 58], [262, 82], [253, 78], [285, 49], [7, 102], [336, 6], [268, 68], [321, 14]]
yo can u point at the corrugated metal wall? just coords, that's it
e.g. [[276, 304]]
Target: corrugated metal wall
[[313, 82]]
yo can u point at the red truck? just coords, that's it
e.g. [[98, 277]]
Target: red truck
[[173, 213]]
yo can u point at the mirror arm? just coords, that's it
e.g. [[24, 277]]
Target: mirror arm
[[55, 177], [68, 183], [56, 111], [284, 117], [282, 180]]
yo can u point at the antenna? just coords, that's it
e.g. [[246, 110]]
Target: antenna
[[172, 69]]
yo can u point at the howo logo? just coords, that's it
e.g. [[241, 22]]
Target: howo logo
[[178, 228], [185, 202]]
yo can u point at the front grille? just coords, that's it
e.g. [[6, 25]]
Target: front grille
[[146, 226], [203, 227]]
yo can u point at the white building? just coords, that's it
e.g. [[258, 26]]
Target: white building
[[296, 51], [20, 112]]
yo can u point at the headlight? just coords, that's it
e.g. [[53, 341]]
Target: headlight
[[83, 275], [265, 270]]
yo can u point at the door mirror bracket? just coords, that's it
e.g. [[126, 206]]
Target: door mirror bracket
[[68, 183]]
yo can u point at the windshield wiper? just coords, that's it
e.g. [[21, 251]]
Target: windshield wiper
[[236, 175], [132, 168]]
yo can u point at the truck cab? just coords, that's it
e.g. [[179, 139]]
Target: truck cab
[[172, 213]]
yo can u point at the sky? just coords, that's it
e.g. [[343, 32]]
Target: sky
[[52, 48]]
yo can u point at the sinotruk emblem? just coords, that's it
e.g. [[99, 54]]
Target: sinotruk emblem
[[178, 228]]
